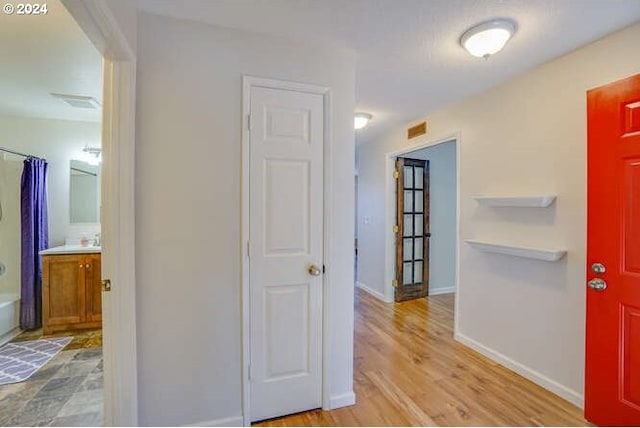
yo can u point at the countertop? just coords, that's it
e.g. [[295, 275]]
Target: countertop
[[70, 249]]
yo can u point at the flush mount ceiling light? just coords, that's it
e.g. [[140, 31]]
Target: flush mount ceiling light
[[487, 38], [361, 120]]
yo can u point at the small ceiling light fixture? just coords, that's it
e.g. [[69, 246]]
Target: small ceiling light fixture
[[487, 38], [93, 155], [361, 120]]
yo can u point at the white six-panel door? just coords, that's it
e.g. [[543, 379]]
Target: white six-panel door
[[286, 239]]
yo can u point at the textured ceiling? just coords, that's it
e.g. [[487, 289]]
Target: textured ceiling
[[409, 59], [44, 54]]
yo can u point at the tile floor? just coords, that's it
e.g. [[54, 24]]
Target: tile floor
[[67, 391], [81, 338]]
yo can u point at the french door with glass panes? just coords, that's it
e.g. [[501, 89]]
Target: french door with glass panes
[[412, 231]]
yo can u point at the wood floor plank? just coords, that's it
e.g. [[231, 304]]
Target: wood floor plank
[[401, 401], [408, 371]]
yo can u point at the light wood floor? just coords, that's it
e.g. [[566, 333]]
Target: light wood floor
[[409, 371]]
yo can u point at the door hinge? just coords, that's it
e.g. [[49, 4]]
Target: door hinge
[[396, 229], [394, 283], [106, 285], [248, 249], [396, 174], [249, 122]]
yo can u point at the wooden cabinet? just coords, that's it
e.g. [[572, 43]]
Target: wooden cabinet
[[93, 287], [71, 292]]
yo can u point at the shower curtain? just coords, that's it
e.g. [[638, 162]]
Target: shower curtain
[[35, 237]]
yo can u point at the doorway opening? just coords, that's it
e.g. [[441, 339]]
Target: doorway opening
[[50, 191], [421, 259], [93, 26]]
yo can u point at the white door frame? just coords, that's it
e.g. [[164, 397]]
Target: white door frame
[[390, 213], [118, 215], [248, 82]]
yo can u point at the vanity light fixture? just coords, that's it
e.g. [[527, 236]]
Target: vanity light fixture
[[489, 37], [93, 155], [361, 120]]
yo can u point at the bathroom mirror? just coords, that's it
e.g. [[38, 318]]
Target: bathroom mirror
[[84, 192]]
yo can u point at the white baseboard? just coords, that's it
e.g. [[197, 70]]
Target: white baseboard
[[234, 421], [568, 394], [342, 400], [374, 293], [8, 337], [442, 290]]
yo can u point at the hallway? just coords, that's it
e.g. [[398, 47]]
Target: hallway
[[409, 371]]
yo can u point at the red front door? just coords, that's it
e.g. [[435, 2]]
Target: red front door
[[612, 384]]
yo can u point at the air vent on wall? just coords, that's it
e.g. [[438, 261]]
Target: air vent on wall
[[78, 101], [417, 130]]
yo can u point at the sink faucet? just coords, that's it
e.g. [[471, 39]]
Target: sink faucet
[[96, 240]]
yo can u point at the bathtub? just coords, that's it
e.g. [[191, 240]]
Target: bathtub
[[9, 317]]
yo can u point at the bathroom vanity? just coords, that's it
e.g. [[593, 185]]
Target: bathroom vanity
[[71, 288]]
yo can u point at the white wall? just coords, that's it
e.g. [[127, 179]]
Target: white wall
[[58, 141], [442, 208], [188, 251], [10, 172], [124, 13], [526, 136]]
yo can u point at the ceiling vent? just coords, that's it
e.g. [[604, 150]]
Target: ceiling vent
[[78, 101]]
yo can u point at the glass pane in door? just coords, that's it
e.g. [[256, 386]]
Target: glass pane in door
[[408, 177], [408, 225], [418, 245], [417, 272], [407, 272], [408, 201], [419, 203], [419, 223], [407, 249], [419, 180]]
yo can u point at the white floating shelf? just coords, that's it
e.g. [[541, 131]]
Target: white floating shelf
[[516, 201], [548, 255]]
